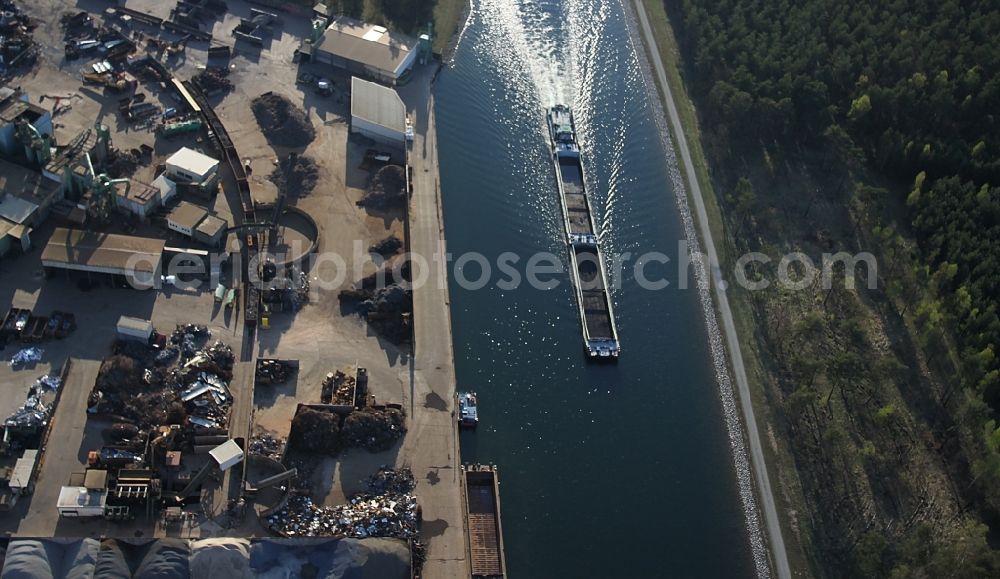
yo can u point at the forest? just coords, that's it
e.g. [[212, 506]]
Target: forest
[[409, 16], [869, 126]]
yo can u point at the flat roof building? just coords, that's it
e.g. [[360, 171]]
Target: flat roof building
[[190, 166], [366, 49], [197, 223], [185, 218], [211, 230], [377, 112], [138, 259]]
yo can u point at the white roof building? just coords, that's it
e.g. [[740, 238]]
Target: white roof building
[[81, 502], [227, 455], [188, 165]]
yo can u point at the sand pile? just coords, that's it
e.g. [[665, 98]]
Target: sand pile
[[283, 123]]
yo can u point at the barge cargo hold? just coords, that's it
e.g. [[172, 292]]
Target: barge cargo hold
[[482, 496], [600, 335]]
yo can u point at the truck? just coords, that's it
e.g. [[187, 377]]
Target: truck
[[220, 293], [230, 298], [135, 329]]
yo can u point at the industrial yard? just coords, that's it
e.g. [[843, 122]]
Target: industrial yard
[[174, 357]]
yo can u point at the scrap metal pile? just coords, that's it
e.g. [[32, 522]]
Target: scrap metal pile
[[204, 380], [322, 431], [183, 342], [388, 308], [386, 247], [338, 388], [266, 444], [135, 384], [25, 357], [295, 177], [388, 509], [286, 293], [34, 413], [274, 371], [213, 80], [386, 189], [282, 123], [17, 47]]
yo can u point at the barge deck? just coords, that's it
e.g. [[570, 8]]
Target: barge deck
[[482, 495], [600, 335]]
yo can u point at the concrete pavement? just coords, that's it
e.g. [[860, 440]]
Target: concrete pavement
[[779, 557], [64, 453], [431, 445]]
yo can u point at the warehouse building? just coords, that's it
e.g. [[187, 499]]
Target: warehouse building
[[366, 50], [190, 166], [378, 113], [135, 260]]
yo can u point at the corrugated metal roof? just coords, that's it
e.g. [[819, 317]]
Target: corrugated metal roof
[[377, 104], [345, 37], [102, 251]]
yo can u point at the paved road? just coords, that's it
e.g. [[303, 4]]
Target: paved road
[[431, 446], [777, 543]]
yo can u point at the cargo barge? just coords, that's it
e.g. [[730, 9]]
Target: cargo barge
[[600, 335], [482, 499]]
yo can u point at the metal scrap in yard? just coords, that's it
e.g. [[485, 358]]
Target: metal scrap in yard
[[30, 415], [282, 123], [25, 357], [388, 509]]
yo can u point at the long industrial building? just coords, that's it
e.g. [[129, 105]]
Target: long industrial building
[[366, 50], [139, 260]]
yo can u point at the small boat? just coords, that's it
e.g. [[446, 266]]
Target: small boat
[[468, 413]]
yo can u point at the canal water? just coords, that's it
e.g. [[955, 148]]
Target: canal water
[[619, 470]]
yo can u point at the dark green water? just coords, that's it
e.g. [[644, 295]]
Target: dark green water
[[606, 470]]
